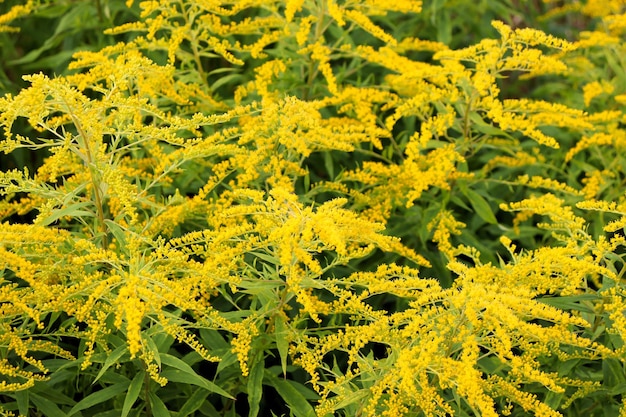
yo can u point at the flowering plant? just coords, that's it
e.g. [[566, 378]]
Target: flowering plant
[[336, 203]]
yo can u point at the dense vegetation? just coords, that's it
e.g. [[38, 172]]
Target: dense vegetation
[[312, 207]]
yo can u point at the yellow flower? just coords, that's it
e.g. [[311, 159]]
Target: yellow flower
[[15, 13], [596, 88]]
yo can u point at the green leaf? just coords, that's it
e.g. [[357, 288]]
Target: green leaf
[[459, 202], [152, 347], [612, 373], [444, 29], [158, 407], [481, 126], [233, 79], [282, 340], [307, 181], [214, 339], [133, 393], [612, 62], [208, 410], [329, 165], [99, 397], [73, 211], [174, 362], [228, 359], [264, 256], [117, 231], [255, 386], [22, 402], [185, 374], [571, 302], [78, 17], [353, 398], [46, 407], [480, 206], [618, 389], [260, 286], [111, 360], [298, 405], [163, 341], [554, 399], [110, 413], [32, 55], [176, 375], [194, 402]]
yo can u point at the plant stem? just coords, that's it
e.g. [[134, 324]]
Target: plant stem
[[146, 391], [94, 181], [100, 13]]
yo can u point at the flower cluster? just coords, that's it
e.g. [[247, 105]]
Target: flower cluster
[[305, 184]]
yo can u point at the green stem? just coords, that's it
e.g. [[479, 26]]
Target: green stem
[[146, 391], [95, 183], [312, 71], [196, 53], [466, 121], [100, 13]]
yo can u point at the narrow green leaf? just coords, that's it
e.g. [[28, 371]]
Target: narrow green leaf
[[353, 398], [268, 258], [224, 80], [228, 359], [571, 302], [153, 349], [481, 206], [110, 413], [307, 182], [619, 389], [258, 287], [32, 55], [185, 374], [459, 202], [612, 373], [194, 402], [221, 70], [158, 407], [444, 29], [73, 210], [117, 230], [615, 66], [55, 60], [329, 164], [22, 402], [298, 405], [481, 126], [111, 360], [554, 399], [46, 407], [174, 362], [208, 410], [214, 339], [81, 15], [282, 340], [255, 386], [176, 375], [133, 393], [99, 397]]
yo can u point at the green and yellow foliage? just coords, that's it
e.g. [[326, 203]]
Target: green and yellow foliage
[[362, 207]]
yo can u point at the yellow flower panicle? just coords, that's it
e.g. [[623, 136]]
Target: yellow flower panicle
[[15, 13], [442, 335]]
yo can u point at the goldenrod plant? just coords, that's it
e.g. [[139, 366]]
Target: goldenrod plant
[[315, 208]]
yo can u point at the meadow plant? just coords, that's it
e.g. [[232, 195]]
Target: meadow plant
[[329, 202]]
